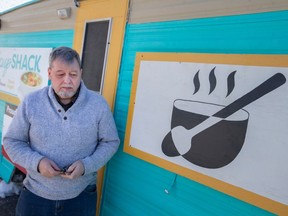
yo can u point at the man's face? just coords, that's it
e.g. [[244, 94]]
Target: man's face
[[65, 78]]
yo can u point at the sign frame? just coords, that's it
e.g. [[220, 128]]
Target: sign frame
[[228, 59]]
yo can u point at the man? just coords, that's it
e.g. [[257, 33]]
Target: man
[[61, 134]]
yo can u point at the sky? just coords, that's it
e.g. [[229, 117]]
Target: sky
[[7, 5]]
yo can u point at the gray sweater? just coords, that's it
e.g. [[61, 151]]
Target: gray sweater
[[41, 128]]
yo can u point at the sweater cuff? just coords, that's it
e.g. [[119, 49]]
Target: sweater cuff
[[35, 162], [88, 167]]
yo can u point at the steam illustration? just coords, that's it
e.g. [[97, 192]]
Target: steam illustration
[[199, 130], [230, 83], [213, 81], [196, 82]]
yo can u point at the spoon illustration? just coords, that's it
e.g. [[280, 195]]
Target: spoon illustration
[[183, 138]]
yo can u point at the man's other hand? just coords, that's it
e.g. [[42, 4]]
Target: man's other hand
[[74, 171], [48, 168]]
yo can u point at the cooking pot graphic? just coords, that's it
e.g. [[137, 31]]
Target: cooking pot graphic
[[211, 135]]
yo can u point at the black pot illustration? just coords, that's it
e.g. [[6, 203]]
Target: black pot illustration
[[206, 146], [211, 135]]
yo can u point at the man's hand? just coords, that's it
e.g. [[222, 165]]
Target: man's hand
[[74, 171], [48, 168]]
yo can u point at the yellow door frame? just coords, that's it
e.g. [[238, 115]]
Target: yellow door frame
[[117, 10]]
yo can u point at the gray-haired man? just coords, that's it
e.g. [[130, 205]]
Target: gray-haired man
[[61, 134]]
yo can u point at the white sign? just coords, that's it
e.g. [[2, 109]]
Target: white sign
[[228, 122], [23, 70], [7, 118]]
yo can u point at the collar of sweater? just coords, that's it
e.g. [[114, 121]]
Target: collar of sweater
[[74, 98], [80, 98]]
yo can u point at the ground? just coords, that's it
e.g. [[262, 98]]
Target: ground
[[7, 205]]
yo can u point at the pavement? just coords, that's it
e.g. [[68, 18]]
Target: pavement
[[8, 205]]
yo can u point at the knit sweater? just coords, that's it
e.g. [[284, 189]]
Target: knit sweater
[[42, 128]]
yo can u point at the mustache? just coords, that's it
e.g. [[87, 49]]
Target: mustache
[[66, 86]]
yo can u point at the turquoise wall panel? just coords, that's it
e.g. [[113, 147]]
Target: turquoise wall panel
[[38, 39], [135, 187]]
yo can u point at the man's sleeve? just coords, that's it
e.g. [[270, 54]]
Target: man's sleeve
[[16, 140], [108, 143]]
